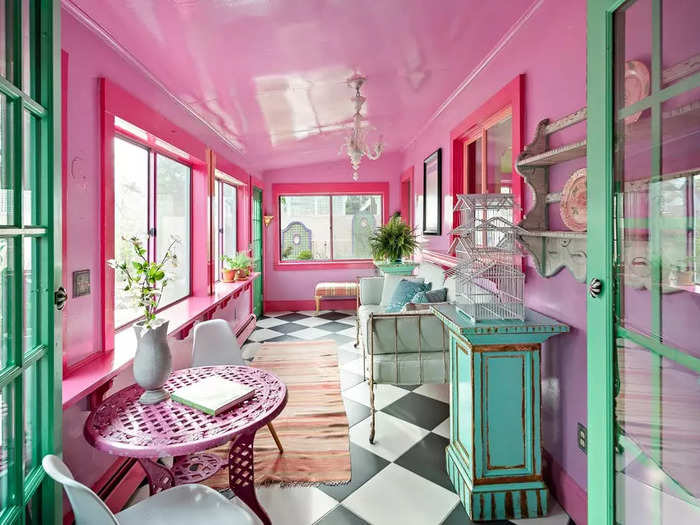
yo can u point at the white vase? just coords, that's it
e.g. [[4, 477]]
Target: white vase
[[152, 362]]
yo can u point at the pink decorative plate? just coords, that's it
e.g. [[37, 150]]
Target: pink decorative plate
[[573, 202], [636, 86]]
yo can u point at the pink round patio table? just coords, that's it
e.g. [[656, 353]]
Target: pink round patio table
[[122, 426]]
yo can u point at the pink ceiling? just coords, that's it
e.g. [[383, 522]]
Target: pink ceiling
[[270, 74]]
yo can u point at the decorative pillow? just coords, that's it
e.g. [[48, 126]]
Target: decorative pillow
[[404, 292], [430, 296], [391, 281]]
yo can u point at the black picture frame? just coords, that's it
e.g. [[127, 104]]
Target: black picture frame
[[432, 194]]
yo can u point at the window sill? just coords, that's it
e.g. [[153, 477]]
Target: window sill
[[105, 366], [324, 265]]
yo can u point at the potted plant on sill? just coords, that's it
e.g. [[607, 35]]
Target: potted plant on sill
[[146, 280], [240, 265], [392, 242], [228, 271]]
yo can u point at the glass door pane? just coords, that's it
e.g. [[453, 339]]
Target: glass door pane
[[228, 213], [130, 217], [656, 162], [173, 224], [30, 350]]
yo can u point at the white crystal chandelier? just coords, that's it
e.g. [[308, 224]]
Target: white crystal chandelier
[[356, 145]]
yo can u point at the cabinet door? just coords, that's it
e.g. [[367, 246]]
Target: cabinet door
[[504, 422], [462, 406]]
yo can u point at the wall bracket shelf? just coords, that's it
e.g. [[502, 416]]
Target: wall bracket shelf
[[550, 250]]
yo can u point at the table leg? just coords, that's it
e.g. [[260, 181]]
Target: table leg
[[160, 477], [241, 474]]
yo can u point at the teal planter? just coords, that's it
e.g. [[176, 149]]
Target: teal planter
[[494, 458], [396, 268]]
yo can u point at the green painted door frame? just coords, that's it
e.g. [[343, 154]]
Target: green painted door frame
[[601, 474], [30, 261], [606, 193], [257, 225]]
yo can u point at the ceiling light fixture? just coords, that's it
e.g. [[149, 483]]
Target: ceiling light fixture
[[356, 145]]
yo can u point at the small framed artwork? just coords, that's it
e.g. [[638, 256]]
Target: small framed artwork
[[432, 194], [81, 283]]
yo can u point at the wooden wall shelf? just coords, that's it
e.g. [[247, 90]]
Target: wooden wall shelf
[[550, 250]]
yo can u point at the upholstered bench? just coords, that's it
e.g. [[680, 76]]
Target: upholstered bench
[[335, 290]]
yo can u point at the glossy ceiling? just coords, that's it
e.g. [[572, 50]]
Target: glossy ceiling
[[270, 75]]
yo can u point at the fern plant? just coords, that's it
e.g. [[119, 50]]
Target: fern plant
[[393, 241]]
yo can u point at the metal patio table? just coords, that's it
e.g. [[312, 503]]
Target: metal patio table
[[122, 426]]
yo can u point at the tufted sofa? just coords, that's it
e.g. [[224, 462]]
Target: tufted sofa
[[409, 347]]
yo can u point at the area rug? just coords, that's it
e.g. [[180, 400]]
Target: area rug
[[313, 427]]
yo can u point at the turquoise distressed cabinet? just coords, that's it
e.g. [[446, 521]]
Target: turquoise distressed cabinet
[[494, 458]]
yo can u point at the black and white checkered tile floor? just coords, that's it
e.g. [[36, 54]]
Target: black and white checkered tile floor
[[401, 479]]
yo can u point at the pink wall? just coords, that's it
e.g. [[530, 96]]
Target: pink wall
[[91, 58], [550, 49], [282, 288]]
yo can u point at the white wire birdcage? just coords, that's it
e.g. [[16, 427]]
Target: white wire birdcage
[[490, 290], [490, 284]]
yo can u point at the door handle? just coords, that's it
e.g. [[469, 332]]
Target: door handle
[[595, 287], [60, 297]]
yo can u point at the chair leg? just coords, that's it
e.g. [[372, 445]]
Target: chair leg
[[371, 411], [275, 437], [318, 303]]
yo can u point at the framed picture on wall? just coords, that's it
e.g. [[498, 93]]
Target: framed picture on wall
[[432, 194]]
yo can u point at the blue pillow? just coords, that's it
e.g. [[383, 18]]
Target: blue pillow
[[430, 296], [404, 293]]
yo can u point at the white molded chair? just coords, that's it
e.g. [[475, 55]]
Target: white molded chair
[[184, 504], [215, 344]]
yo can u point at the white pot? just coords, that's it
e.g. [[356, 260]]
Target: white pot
[[152, 362]]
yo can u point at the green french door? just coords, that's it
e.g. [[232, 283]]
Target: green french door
[[643, 262], [30, 259], [257, 224]]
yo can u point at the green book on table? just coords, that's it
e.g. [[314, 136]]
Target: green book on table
[[213, 395]]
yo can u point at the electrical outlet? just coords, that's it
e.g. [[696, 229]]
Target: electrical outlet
[[582, 438]]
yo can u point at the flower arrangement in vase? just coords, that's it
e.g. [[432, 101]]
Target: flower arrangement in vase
[[146, 281]]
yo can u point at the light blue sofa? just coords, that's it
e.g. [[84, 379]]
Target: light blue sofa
[[409, 347]]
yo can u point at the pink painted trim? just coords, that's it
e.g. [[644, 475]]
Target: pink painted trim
[[360, 264], [439, 258], [512, 94], [297, 305], [572, 498], [407, 174], [64, 186], [340, 188]]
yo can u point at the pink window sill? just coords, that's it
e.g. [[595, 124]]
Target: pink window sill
[[324, 265], [86, 379]]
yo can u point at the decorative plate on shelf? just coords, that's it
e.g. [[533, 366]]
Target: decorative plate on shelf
[[637, 85], [572, 206]]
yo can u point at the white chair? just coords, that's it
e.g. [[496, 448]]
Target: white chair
[[184, 504], [215, 344]]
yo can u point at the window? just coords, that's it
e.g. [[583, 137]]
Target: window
[[488, 153], [328, 227], [225, 226], [151, 201]]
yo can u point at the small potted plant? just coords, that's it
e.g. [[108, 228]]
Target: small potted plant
[[243, 264], [228, 270], [146, 280]]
